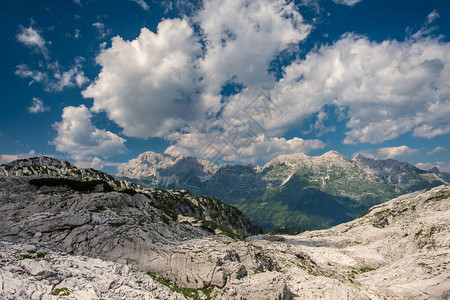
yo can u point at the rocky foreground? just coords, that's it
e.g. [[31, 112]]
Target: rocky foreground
[[57, 242]]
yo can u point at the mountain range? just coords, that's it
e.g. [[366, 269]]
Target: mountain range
[[69, 233], [290, 190]]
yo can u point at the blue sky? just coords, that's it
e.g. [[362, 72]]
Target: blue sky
[[98, 82]]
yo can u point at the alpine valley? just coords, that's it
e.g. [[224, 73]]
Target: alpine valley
[[69, 233], [290, 190]]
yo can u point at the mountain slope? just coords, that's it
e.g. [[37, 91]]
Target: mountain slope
[[295, 189], [403, 176], [398, 250], [50, 172]]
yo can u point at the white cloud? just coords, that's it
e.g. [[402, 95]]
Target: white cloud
[[77, 2], [256, 149], [142, 4], [432, 16], [347, 2], [149, 86], [30, 37], [388, 152], [81, 139], [169, 83], [24, 72], [442, 166], [96, 163], [6, 158], [436, 150], [102, 30], [395, 152], [164, 81], [242, 38], [37, 106], [54, 77], [387, 89], [77, 33]]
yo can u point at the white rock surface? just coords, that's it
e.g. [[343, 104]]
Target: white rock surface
[[79, 276]]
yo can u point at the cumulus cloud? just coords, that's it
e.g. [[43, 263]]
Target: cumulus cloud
[[242, 38], [77, 136], [77, 2], [436, 150], [171, 83], [387, 89], [142, 4], [37, 106], [256, 149], [149, 86], [95, 163], [389, 152], [166, 81], [347, 2], [31, 38]]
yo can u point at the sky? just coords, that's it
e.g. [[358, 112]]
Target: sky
[[98, 82]]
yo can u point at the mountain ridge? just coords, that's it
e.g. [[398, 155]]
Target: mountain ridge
[[359, 183]]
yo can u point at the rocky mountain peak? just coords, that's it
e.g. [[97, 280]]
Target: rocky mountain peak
[[43, 161], [36, 165], [152, 164]]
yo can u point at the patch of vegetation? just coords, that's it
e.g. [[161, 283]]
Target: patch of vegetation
[[165, 209], [61, 292], [41, 254], [382, 212], [31, 251], [128, 191], [378, 226], [440, 198], [76, 185], [98, 208], [433, 230], [187, 292], [212, 226], [364, 270], [117, 224], [26, 256]]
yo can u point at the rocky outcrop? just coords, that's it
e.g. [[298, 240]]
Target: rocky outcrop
[[34, 271], [43, 166]]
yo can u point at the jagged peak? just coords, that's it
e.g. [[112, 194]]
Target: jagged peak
[[287, 159], [149, 163], [296, 158]]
